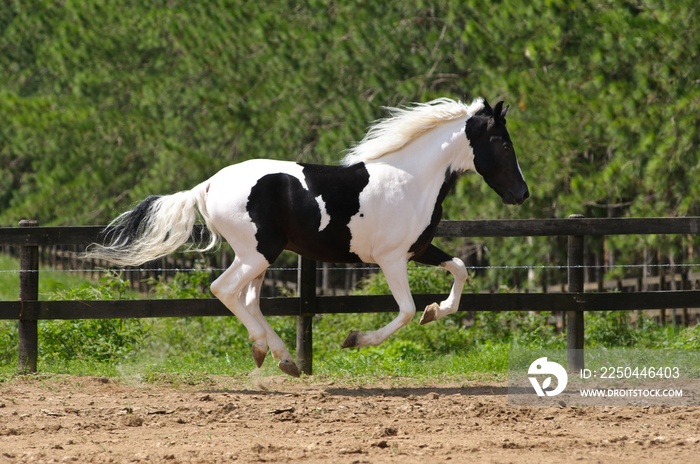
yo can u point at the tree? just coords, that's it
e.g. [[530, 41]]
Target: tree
[[104, 103]]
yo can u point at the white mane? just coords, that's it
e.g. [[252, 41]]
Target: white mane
[[406, 124]]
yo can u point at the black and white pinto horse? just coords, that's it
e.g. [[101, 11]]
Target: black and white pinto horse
[[381, 206]]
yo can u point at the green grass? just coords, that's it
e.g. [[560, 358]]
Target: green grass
[[184, 350], [191, 350], [199, 347], [50, 281]]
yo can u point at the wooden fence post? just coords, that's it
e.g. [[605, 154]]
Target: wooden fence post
[[574, 319], [307, 308], [28, 330]]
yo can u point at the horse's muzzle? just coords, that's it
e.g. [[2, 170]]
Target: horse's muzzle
[[513, 198]]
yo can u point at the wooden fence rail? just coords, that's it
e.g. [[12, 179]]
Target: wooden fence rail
[[28, 310]]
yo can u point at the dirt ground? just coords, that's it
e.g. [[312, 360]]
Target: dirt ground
[[276, 419]]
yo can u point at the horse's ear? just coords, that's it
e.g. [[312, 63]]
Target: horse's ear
[[488, 108], [503, 113], [497, 112]]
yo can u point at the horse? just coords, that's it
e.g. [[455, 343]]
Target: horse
[[380, 205]]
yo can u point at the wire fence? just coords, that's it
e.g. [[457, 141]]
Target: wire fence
[[35, 243], [375, 268]]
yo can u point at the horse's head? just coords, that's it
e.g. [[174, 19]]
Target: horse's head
[[494, 155]]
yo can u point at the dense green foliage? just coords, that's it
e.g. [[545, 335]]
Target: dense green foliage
[[103, 103], [101, 340]]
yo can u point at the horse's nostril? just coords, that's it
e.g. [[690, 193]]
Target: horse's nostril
[[527, 195]]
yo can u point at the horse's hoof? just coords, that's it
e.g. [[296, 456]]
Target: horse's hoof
[[259, 353], [352, 340], [289, 367], [430, 313]]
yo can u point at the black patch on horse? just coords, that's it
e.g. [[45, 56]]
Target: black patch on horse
[[287, 215]]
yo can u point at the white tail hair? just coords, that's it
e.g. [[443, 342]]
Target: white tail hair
[[156, 227]]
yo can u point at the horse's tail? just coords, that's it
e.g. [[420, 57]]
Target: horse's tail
[[156, 227]]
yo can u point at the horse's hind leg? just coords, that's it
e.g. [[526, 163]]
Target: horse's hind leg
[[250, 298], [436, 257], [397, 278], [228, 289]]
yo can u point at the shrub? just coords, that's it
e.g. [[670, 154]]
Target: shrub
[[93, 339]]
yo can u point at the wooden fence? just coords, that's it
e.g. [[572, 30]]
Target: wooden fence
[[28, 309]]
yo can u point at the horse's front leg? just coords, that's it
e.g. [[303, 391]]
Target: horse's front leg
[[436, 257], [397, 278]]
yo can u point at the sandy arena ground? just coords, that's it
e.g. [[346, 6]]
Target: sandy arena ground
[[275, 419]]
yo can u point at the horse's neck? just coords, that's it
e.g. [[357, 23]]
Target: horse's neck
[[435, 152]]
